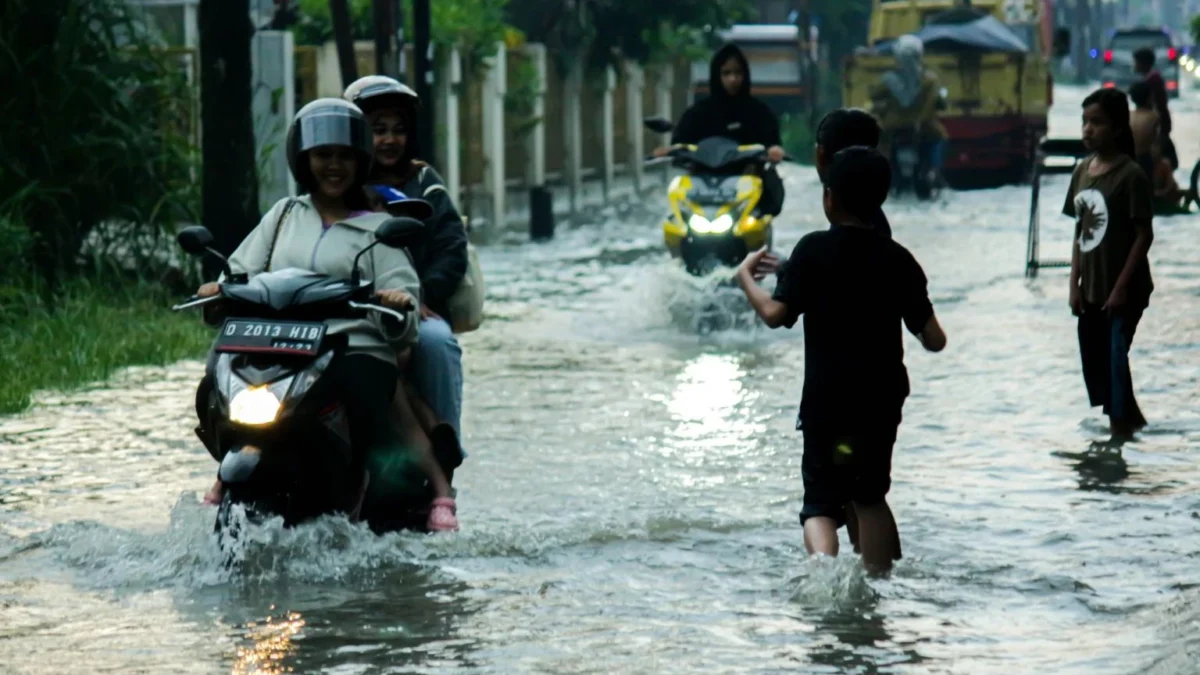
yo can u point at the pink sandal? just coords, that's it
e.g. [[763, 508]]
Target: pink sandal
[[443, 515]]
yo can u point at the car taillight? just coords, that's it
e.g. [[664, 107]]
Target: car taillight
[[1110, 85], [1172, 54], [1172, 85], [1108, 56]]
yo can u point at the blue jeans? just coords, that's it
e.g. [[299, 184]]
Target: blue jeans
[[1104, 342], [437, 373]]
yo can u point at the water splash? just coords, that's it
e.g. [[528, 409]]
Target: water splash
[[824, 583]]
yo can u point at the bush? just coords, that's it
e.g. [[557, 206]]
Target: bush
[[97, 129], [799, 138]]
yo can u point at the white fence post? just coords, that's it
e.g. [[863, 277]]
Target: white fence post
[[448, 78], [535, 142], [494, 88], [607, 131], [573, 129], [274, 82], [635, 82]]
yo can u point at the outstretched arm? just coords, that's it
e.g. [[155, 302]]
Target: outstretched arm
[[773, 312]]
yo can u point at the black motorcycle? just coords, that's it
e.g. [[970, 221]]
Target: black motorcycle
[[268, 416]]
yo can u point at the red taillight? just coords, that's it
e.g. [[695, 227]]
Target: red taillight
[[1110, 85], [1172, 85], [1172, 54], [1108, 56]]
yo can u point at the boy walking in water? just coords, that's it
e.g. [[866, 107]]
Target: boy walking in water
[[854, 288]]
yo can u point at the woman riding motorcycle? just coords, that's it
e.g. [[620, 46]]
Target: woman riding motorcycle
[[436, 368], [329, 152]]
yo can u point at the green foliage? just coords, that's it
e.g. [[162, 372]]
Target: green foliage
[[314, 24], [521, 97], [86, 333], [798, 136], [633, 29], [473, 26], [96, 128]]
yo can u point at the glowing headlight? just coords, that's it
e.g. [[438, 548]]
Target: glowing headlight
[[718, 225], [255, 406]]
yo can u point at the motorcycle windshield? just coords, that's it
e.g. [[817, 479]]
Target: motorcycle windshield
[[291, 287], [720, 155]]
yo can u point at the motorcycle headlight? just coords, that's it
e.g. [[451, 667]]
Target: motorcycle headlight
[[719, 225], [254, 406]]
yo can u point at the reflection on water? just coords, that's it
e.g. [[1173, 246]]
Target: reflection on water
[[271, 646], [631, 500]]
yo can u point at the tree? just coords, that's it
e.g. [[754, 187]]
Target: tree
[[230, 177], [607, 30]]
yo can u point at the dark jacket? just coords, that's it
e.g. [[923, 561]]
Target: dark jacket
[[441, 260], [740, 117]]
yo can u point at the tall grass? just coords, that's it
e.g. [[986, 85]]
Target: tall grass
[[85, 332]]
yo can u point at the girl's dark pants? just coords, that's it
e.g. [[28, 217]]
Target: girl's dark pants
[[1104, 342]]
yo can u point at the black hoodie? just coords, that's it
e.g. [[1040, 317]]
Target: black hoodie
[[740, 116]]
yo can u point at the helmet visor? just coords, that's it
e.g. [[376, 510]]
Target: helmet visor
[[331, 128]]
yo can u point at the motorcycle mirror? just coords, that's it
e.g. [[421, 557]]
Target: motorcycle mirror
[[399, 232], [195, 240], [660, 125]]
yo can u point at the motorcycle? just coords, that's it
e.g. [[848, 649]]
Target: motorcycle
[[913, 166], [713, 218], [271, 418]]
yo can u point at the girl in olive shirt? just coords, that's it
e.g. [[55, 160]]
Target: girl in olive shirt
[[1112, 200]]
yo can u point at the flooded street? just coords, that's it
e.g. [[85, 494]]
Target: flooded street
[[630, 503]]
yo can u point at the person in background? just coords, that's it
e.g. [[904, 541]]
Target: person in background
[[436, 368], [732, 112], [1112, 200], [855, 289], [1143, 65], [906, 98], [1144, 123]]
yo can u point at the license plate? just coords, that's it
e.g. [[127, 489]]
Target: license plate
[[271, 337]]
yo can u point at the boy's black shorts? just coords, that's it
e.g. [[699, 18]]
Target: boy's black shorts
[[845, 463]]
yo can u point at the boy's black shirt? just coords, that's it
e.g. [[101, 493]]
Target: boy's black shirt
[[854, 288]]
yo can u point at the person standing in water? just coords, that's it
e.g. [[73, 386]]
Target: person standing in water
[[1112, 201], [730, 111], [1143, 64], [855, 289]]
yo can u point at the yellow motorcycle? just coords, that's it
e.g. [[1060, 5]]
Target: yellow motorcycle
[[713, 218]]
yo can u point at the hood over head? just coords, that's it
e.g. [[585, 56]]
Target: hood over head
[[716, 89]]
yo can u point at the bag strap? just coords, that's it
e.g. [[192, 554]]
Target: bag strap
[[275, 237]]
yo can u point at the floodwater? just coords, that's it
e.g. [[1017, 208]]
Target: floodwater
[[630, 503]]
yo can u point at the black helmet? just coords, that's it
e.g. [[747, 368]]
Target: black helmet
[[375, 92], [328, 121]]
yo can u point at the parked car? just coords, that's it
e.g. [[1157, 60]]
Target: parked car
[[1118, 57]]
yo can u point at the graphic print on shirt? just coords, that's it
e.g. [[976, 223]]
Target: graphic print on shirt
[[1092, 212]]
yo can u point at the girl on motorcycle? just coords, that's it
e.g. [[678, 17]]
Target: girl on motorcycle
[[436, 367], [329, 153]]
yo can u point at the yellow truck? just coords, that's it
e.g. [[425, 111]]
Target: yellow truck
[[995, 72]]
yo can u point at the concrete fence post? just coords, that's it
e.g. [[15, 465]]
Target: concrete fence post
[[449, 76], [494, 87], [573, 129], [635, 83], [608, 131]]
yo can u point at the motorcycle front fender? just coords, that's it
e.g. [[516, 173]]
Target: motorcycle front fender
[[239, 464]]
